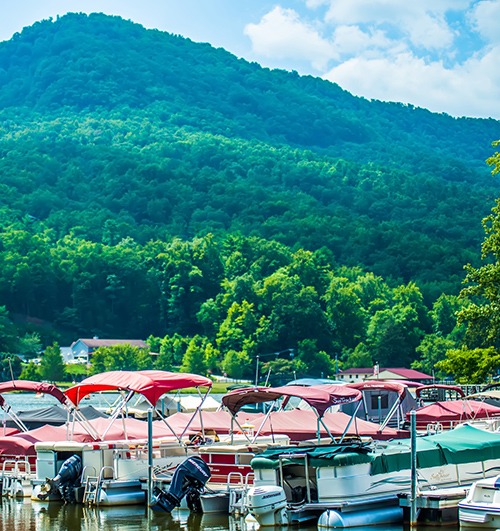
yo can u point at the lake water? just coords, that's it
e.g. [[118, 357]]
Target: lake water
[[23, 515]]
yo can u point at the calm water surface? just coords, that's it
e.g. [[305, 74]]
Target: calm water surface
[[23, 515]]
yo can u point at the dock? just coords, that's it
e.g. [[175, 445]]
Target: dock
[[435, 506]]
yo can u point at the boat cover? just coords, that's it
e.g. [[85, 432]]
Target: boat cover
[[319, 397], [464, 444], [52, 414], [301, 425], [151, 384], [454, 411]]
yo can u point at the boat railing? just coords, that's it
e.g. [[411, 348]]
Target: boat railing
[[86, 472], [14, 472], [93, 485], [305, 480], [237, 487], [16, 467], [433, 428]]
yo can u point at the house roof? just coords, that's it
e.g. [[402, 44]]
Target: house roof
[[96, 343], [406, 374]]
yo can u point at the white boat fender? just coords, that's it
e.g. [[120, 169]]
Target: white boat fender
[[332, 519]]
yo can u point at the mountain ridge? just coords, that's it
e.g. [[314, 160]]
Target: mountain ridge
[[106, 124]]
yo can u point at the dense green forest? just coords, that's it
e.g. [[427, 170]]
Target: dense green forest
[[155, 187]]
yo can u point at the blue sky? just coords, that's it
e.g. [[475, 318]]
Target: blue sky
[[439, 54]]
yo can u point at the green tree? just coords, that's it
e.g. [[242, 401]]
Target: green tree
[[30, 345], [8, 332], [471, 366], [31, 372], [171, 352], [194, 359], [52, 365], [236, 364], [10, 367], [481, 296], [432, 350], [123, 357]]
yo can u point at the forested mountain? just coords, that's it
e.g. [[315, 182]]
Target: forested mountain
[[114, 137]]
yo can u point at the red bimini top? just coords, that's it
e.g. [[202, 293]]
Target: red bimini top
[[319, 397], [32, 387], [151, 384]]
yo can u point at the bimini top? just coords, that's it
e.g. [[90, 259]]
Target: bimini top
[[451, 389], [380, 385], [32, 387], [151, 384], [320, 397]]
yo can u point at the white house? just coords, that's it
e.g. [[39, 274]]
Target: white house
[[83, 348]]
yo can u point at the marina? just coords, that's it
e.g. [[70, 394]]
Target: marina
[[254, 468]]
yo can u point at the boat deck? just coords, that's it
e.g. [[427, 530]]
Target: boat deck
[[436, 506]]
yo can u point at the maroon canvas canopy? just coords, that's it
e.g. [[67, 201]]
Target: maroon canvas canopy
[[453, 411], [452, 388], [151, 384], [318, 397], [32, 387], [382, 385], [301, 425]]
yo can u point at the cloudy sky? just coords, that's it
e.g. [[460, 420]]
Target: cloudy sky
[[439, 54]]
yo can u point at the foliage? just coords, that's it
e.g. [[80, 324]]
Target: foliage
[[10, 367], [471, 365], [52, 367], [30, 345], [479, 357], [156, 187], [31, 371], [120, 357], [194, 360], [237, 364]]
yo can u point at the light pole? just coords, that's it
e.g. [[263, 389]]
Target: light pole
[[290, 351]]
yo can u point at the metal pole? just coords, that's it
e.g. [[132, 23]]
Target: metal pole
[[413, 494], [257, 371], [150, 455]]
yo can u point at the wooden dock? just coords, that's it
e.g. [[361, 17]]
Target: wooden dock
[[435, 506]]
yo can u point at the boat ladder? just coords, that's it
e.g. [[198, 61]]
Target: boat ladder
[[15, 474], [238, 492], [93, 486]]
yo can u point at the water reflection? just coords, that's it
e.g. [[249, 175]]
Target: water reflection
[[23, 515]]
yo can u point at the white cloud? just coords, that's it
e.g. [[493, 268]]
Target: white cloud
[[426, 53], [466, 90], [485, 17], [423, 22], [350, 40], [281, 34]]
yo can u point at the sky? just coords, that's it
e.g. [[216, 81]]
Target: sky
[[442, 55]]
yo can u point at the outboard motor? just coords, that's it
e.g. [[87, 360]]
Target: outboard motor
[[66, 480], [189, 479]]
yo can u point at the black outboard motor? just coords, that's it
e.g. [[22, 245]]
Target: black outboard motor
[[66, 480], [188, 480]]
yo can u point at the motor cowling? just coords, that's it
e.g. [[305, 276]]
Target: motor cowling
[[268, 505], [67, 479], [189, 479]]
